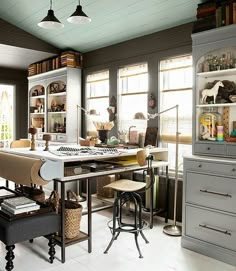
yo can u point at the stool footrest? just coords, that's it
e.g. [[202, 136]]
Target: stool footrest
[[126, 227]]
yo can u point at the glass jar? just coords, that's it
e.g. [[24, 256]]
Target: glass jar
[[208, 121]]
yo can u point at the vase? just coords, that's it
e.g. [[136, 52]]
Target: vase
[[103, 135]]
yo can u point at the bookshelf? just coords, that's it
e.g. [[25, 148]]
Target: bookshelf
[[53, 100]]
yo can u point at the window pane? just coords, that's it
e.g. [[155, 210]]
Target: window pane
[[176, 73], [168, 119], [176, 88], [97, 94], [133, 95], [6, 115], [100, 105], [134, 84], [100, 88]]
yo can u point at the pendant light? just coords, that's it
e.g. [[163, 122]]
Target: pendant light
[[50, 21], [79, 17]]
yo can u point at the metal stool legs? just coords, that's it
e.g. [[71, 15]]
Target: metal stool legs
[[118, 224]]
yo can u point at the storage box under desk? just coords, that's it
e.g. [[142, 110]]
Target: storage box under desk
[[101, 182]]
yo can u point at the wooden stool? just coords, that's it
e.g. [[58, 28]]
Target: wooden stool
[[128, 192]]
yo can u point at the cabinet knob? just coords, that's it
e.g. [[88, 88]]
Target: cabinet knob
[[200, 165], [208, 148], [234, 169]]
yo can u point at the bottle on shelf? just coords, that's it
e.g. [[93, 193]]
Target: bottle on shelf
[[206, 64], [208, 121]]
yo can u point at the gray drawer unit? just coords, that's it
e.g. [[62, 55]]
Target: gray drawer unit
[[213, 166], [209, 207], [211, 191], [213, 227], [210, 148]]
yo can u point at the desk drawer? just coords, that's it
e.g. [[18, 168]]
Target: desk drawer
[[212, 227], [213, 167], [210, 149], [61, 138], [211, 191]]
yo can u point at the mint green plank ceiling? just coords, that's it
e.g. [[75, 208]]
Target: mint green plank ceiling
[[113, 21]]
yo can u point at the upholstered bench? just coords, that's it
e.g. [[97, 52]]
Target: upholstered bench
[[27, 228], [28, 172]]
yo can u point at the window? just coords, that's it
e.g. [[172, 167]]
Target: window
[[176, 88], [133, 95], [97, 98], [6, 115]]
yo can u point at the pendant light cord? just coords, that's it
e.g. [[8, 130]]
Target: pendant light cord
[[50, 4]]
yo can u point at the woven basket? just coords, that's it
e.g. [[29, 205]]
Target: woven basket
[[105, 192], [73, 212], [32, 193]]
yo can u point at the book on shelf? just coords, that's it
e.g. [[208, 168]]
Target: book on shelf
[[6, 208], [19, 202], [204, 24]]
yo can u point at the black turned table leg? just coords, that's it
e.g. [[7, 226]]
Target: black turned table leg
[[10, 257], [63, 241], [51, 245]]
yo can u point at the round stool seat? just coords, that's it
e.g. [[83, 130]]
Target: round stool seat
[[125, 185]]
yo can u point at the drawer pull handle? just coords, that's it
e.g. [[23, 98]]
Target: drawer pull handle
[[216, 193], [215, 229]]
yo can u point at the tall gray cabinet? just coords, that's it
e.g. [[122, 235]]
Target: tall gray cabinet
[[209, 198]]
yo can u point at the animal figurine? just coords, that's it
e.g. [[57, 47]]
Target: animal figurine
[[211, 92]]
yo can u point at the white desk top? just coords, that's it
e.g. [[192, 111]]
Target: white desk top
[[160, 158]]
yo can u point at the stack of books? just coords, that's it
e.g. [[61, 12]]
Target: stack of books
[[71, 59], [215, 13], [19, 205]]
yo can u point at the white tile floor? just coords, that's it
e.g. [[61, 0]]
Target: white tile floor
[[163, 253]]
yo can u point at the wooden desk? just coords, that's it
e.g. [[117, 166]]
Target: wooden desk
[[65, 159]]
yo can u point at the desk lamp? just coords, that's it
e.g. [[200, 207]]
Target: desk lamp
[[173, 230], [87, 113]]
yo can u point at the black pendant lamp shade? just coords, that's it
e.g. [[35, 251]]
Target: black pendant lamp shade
[[50, 21], [79, 17]]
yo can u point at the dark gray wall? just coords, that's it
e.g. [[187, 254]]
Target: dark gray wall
[[161, 44], [13, 36]]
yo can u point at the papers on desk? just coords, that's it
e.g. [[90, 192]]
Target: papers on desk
[[123, 161]]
